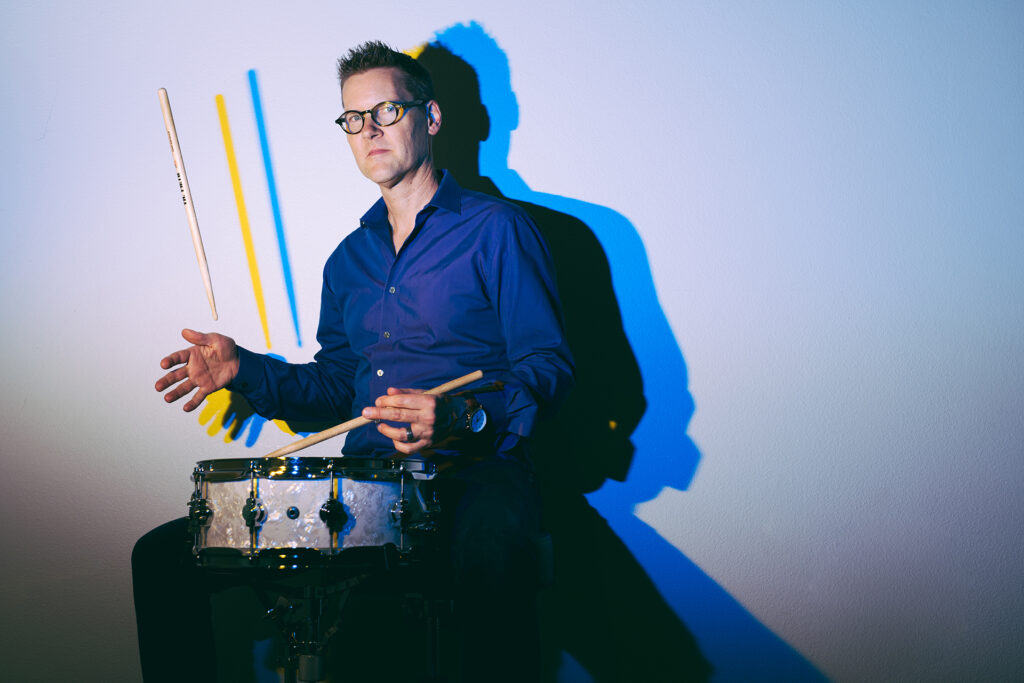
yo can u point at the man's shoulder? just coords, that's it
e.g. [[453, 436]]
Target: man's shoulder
[[351, 240], [482, 206], [372, 224], [356, 245]]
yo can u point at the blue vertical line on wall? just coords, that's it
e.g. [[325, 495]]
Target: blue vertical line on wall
[[274, 205]]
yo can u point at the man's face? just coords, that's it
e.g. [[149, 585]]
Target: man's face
[[385, 154]]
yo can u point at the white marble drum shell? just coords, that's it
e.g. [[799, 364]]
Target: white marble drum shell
[[368, 505]]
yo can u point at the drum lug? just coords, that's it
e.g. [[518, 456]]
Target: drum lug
[[400, 513], [199, 513], [333, 514], [254, 513]]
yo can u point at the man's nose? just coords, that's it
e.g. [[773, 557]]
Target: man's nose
[[370, 127]]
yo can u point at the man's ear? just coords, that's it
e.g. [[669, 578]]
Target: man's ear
[[433, 117]]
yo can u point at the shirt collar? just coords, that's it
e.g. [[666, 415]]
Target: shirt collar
[[447, 197]]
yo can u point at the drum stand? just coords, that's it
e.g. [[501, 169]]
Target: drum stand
[[307, 610], [301, 621]]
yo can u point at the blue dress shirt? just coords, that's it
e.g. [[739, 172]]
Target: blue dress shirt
[[472, 288]]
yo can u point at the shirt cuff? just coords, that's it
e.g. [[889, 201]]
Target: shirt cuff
[[512, 412], [250, 372]]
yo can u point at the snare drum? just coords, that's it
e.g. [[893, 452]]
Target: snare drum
[[295, 512]]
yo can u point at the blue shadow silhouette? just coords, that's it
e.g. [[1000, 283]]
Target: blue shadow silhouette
[[240, 418], [626, 604]]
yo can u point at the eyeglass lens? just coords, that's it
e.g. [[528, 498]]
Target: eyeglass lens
[[383, 114]]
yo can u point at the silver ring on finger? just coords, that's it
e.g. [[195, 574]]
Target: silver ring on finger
[[409, 437]]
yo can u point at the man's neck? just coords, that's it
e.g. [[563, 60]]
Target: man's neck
[[406, 199]]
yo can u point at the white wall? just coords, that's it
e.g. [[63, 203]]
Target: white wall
[[830, 201]]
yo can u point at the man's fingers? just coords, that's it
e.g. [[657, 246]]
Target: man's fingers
[[193, 337], [409, 448], [179, 391], [172, 377], [395, 391], [397, 414], [398, 433], [416, 400], [403, 405], [400, 436], [393, 433], [194, 401], [176, 358], [420, 433], [386, 413], [183, 389]]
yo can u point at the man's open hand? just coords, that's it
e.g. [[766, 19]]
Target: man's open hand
[[206, 366]]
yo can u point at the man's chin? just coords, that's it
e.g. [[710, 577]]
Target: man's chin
[[378, 174], [375, 175], [386, 179]]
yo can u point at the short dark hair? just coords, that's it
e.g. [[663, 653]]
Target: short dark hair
[[375, 55]]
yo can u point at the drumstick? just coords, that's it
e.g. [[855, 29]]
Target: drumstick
[[186, 197], [360, 421]]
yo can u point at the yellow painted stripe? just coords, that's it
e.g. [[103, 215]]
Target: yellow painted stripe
[[416, 51], [243, 216]]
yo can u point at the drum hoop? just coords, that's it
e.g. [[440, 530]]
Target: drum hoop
[[304, 467]]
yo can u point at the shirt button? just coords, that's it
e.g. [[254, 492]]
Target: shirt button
[[387, 335], [380, 373], [391, 290]]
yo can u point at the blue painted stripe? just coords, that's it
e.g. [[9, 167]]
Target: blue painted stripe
[[274, 206]]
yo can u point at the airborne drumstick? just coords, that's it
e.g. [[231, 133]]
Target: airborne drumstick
[[186, 197], [360, 421]]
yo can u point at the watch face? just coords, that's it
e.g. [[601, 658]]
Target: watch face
[[478, 421]]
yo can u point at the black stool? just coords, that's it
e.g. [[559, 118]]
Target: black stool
[[401, 603], [308, 611]]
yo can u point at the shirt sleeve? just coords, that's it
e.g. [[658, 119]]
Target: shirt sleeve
[[522, 287], [303, 391]]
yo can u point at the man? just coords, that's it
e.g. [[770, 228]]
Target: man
[[436, 282]]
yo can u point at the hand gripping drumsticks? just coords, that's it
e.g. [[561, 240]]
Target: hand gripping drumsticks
[[186, 197], [360, 421]]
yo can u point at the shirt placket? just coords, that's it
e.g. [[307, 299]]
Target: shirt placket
[[390, 327]]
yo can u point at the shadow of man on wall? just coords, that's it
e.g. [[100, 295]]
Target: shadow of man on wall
[[621, 591], [602, 607]]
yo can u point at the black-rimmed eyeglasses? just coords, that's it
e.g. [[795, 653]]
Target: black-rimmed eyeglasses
[[383, 114]]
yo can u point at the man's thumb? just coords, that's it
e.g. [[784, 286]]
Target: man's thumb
[[193, 337]]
